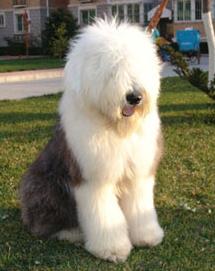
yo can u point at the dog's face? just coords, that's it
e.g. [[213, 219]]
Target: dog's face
[[114, 70]]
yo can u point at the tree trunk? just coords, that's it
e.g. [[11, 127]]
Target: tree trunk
[[209, 31], [158, 13]]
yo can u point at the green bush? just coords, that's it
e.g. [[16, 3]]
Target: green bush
[[198, 78], [195, 76], [59, 43], [16, 46], [61, 24]]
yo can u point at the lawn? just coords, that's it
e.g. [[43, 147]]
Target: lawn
[[30, 64], [184, 193]]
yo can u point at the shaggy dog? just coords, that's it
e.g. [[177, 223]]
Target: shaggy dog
[[94, 180]]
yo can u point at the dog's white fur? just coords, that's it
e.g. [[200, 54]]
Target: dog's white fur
[[115, 153]]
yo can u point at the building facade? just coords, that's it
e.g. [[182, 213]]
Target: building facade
[[12, 12], [134, 11], [188, 13], [185, 13]]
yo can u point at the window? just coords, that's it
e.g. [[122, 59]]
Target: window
[[119, 11], [133, 12], [187, 10], [2, 20], [184, 10], [87, 16], [114, 10], [180, 10], [198, 9], [147, 8], [136, 13], [21, 21]]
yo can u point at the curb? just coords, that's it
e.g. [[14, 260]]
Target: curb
[[8, 77]]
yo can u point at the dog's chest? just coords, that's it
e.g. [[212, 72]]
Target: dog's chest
[[139, 155]]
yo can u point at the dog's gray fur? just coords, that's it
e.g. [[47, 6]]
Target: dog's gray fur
[[47, 197]]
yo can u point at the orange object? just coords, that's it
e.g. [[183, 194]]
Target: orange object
[[156, 18]]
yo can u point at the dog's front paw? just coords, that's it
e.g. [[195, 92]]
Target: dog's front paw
[[148, 235], [110, 251]]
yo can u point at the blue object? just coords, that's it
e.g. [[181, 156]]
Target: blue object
[[155, 34], [164, 55], [188, 40]]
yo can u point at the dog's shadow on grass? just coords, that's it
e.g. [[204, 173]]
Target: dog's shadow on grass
[[36, 133], [29, 126], [21, 251], [186, 106], [23, 117], [174, 114], [190, 119]]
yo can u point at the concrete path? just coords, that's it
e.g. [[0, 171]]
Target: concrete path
[[168, 69], [21, 85], [8, 77], [25, 89]]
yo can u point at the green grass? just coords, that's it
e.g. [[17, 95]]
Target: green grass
[[30, 64], [184, 193]]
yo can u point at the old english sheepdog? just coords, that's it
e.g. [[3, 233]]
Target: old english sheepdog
[[94, 180]]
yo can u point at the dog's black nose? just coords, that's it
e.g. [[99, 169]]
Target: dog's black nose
[[134, 97]]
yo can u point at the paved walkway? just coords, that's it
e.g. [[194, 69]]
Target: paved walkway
[[8, 77], [19, 85], [25, 89], [168, 69]]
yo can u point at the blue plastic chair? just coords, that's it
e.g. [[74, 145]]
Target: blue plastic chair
[[189, 41]]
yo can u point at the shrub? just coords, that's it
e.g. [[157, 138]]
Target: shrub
[[195, 76], [54, 30], [16, 46], [59, 42]]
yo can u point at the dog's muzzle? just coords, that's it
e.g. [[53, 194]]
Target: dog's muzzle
[[133, 99]]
